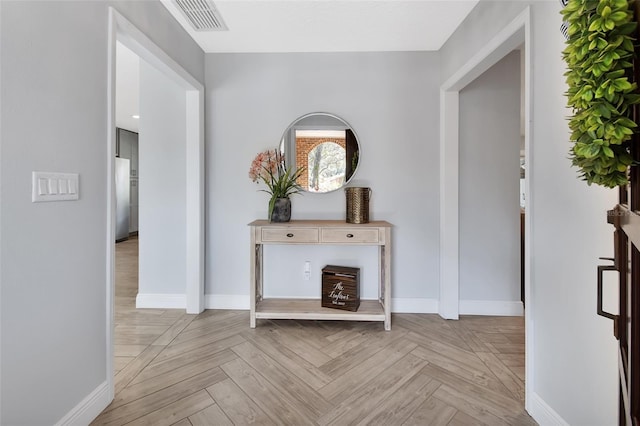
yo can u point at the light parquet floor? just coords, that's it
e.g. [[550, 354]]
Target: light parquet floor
[[212, 369]]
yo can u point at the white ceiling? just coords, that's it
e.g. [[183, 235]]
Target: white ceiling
[[329, 25], [305, 26]]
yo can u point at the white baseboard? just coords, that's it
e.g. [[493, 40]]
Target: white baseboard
[[491, 307], [411, 305], [89, 408], [161, 301], [178, 301], [226, 301], [542, 413], [398, 305]]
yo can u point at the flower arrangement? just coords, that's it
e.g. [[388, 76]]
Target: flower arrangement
[[269, 167]]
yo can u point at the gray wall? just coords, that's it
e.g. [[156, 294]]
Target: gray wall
[[484, 21], [161, 27], [162, 259], [490, 184], [391, 101], [574, 350], [54, 108]]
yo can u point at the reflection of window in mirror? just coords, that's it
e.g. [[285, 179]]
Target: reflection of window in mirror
[[323, 154], [328, 156], [326, 167]]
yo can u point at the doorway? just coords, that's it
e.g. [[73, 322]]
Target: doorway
[[192, 137], [126, 177], [489, 170], [514, 34]]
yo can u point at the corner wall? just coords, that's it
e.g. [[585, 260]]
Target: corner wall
[[574, 352], [162, 187]]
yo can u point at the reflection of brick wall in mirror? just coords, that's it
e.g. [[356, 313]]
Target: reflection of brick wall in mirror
[[304, 146]]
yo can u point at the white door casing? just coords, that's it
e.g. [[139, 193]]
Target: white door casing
[[120, 29]]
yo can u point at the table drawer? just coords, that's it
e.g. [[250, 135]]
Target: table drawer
[[290, 235], [350, 235]]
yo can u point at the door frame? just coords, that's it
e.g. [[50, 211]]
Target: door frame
[[122, 30], [514, 34]]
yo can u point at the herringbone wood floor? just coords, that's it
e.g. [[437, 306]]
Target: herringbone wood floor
[[212, 369]]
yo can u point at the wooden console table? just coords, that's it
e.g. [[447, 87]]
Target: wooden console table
[[328, 232]]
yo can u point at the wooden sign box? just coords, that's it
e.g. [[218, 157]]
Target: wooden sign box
[[341, 287]]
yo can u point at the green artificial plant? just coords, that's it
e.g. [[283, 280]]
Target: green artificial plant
[[599, 56]]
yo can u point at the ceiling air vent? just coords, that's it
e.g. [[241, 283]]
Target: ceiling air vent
[[202, 15]]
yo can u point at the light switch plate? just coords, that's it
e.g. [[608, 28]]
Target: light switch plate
[[49, 186]]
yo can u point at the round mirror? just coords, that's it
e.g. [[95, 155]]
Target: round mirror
[[326, 146]]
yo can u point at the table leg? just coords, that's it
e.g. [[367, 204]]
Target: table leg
[[259, 273], [385, 259], [253, 280]]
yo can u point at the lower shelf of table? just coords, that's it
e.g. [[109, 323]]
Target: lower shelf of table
[[310, 309]]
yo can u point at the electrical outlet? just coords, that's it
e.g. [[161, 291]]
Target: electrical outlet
[[307, 270]]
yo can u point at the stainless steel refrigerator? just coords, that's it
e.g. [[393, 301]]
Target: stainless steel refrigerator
[[122, 199]]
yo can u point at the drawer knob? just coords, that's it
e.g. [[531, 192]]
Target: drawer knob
[[290, 235], [349, 235]]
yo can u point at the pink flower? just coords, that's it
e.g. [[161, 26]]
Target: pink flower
[[265, 162], [269, 167]]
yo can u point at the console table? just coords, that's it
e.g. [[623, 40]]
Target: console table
[[328, 232]]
